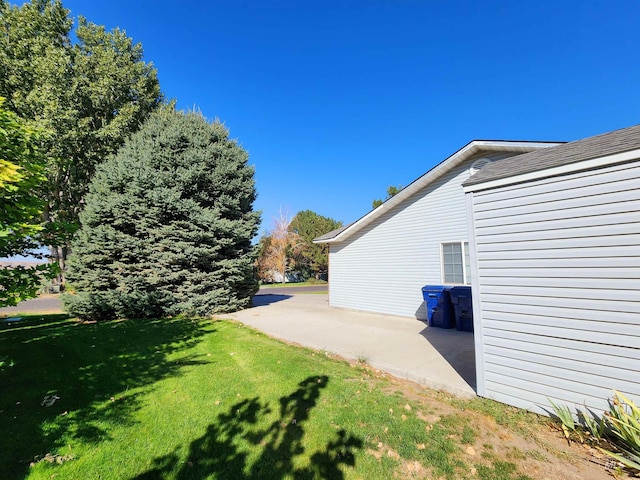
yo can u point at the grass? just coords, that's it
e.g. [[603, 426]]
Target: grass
[[195, 399]]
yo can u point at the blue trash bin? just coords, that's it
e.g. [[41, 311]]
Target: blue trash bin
[[439, 312], [463, 308]]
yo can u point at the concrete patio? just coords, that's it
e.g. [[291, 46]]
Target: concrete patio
[[404, 347]]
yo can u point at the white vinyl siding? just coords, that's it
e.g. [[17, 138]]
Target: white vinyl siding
[[383, 267], [557, 288]]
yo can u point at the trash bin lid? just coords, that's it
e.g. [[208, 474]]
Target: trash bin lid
[[460, 291], [434, 288]]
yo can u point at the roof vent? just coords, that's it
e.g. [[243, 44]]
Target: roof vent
[[478, 164]]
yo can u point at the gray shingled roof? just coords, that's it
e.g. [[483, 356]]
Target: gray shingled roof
[[599, 146]]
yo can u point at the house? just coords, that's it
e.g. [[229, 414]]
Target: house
[[554, 241], [289, 277], [548, 236], [418, 237]]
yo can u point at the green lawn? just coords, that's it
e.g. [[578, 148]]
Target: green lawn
[[195, 399]]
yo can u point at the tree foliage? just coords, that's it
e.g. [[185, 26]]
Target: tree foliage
[[167, 226], [391, 192], [21, 204], [90, 94], [289, 247], [278, 250], [313, 259]]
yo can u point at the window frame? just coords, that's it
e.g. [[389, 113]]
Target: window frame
[[466, 268]]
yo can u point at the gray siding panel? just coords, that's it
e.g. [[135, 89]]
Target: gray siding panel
[[478, 337], [559, 376], [585, 185], [569, 351], [562, 312], [558, 288], [496, 327]]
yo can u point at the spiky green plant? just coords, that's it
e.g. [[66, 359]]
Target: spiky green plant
[[564, 414], [595, 426], [623, 419]]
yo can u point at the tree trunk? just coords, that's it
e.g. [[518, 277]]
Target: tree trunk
[[59, 256], [284, 270], [58, 253]]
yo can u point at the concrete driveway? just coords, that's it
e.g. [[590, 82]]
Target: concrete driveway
[[47, 304], [404, 347]]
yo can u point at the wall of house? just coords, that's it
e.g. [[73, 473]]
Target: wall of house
[[383, 267], [556, 288]]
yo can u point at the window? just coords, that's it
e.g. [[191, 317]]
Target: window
[[456, 265]]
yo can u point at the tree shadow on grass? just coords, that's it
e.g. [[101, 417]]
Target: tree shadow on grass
[[60, 379], [269, 453]]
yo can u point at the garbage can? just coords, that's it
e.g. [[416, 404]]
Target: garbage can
[[439, 313], [463, 308]]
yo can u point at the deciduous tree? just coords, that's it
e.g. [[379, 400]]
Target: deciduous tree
[[167, 226], [21, 204], [278, 249], [90, 94], [313, 259]]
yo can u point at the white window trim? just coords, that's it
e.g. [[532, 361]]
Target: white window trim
[[465, 274]]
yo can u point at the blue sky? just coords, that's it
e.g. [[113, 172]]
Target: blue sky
[[337, 100]]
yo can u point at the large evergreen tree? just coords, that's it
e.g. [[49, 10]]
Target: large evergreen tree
[[167, 226]]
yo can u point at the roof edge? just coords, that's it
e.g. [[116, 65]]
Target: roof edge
[[458, 157], [587, 164], [603, 144]]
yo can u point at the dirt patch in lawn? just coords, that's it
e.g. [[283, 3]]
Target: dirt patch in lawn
[[494, 439]]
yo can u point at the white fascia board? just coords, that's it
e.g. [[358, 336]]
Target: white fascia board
[[470, 149], [556, 171], [514, 146]]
